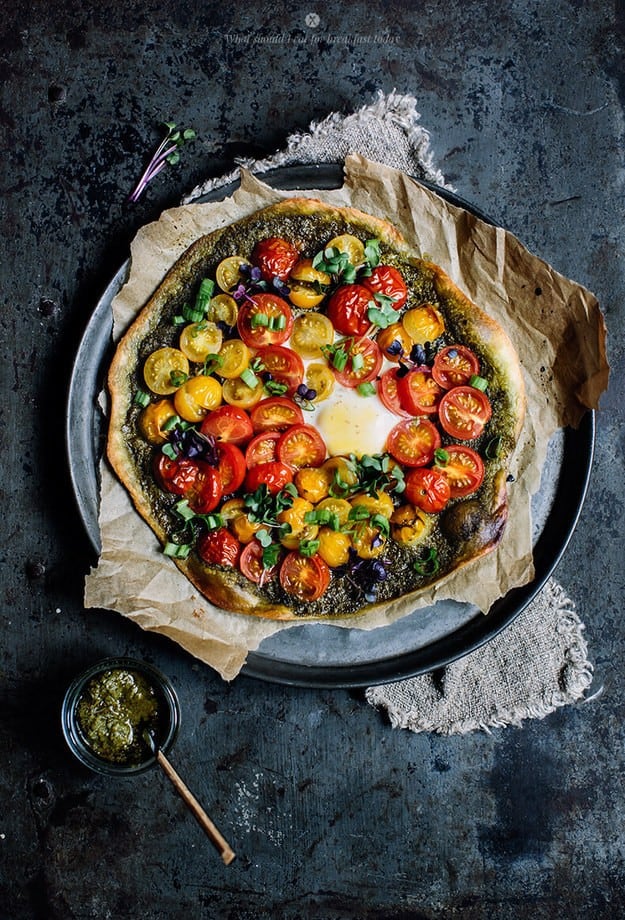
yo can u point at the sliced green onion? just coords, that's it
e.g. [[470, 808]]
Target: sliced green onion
[[478, 383], [493, 448], [213, 521], [275, 388], [171, 423], [177, 378], [339, 359], [191, 314], [428, 563], [366, 389], [182, 508], [441, 456], [259, 319], [170, 451], [249, 377], [358, 362], [177, 550], [277, 323], [204, 295], [142, 398], [309, 547]]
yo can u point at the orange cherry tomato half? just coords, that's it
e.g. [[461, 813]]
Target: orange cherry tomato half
[[347, 309], [464, 470], [275, 475], [418, 392], [275, 257], [265, 319], [251, 564], [300, 446], [284, 365], [463, 412], [413, 442], [228, 423], [368, 363], [231, 466], [276, 412], [219, 547], [387, 280], [262, 448], [388, 393], [304, 577], [427, 489], [454, 366]]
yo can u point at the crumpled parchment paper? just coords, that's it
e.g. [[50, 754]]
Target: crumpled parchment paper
[[555, 324]]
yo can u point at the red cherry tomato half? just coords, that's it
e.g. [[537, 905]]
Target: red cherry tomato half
[[265, 319], [175, 475], [251, 564], [206, 491], [387, 391], [464, 470], [300, 446], [454, 366], [262, 448], [463, 412], [428, 489], [418, 392], [347, 309], [277, 413], [413, 442], [275, 475], [228, 423], [219, 547], [275, 257], [231, 466], [304, 577], [385, 279], [284, 365], [368, 363]]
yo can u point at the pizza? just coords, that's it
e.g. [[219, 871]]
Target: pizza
[[313, 420]]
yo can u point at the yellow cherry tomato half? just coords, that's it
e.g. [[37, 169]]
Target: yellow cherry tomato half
[[223, 309], [165, 369], [235, 357], [197, 397], [334, 546], [236, 392], [312, 483], [368, 540], [234, 514], [307, 285], [228, 272], [338, 506], [311, 331], [382, 503], [300, 530], [410, 525], [153, 418], [350, 245], [320, 378], [394, 342], [198, 340], [423, 323]]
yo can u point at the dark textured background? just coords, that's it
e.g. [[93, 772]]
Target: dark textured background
[[333, 814]]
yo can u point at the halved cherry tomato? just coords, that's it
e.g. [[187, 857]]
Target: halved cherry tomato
[[237, 392], [304, 577], [231, 466], [428, 489], [463, 412], [368, 360], [464, 470], [176, 475], [198, 340], [347, 309], [320, 378], [350, 245], [266, 319], [418, 392], [219, 547], [165, 369], [228, 423], [262, 448], [423, 323], [387, 280], [196, 397], [300, 446], [413, 442], [228, 272], [394, 342], [275, 257], [206, 491], [284, 365], [276, 412], [310, 332], [235, 357], [251, 564], [307, 285], [454, 366], [274, 475], [153, 419], [388, 393]]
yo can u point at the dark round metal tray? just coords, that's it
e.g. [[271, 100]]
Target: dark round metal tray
[[321, 654]]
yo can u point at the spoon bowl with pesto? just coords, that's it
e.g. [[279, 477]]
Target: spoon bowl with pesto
[[108, 709]]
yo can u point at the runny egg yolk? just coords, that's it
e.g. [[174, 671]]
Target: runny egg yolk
[[353, 424]]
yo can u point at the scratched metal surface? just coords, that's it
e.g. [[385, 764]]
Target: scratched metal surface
[[334, 815]]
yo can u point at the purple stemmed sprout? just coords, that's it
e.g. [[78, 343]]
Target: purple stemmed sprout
[[167, 152]]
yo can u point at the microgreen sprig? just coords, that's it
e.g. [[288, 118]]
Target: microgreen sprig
[[167, 152]]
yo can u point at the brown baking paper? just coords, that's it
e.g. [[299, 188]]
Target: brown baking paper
[[555, 324]]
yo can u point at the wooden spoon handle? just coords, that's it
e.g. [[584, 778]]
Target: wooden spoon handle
[[222, 846]]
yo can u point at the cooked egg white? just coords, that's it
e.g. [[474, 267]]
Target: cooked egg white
[[353, 424]]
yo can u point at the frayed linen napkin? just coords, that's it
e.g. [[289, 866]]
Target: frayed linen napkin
[[539, 662]]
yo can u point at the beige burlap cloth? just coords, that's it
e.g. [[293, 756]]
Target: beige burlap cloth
[[539, 662]]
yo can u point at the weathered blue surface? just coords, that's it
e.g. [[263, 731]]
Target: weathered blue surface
[[333, 814]]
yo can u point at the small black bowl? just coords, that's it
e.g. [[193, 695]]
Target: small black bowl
[[168, 716]]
